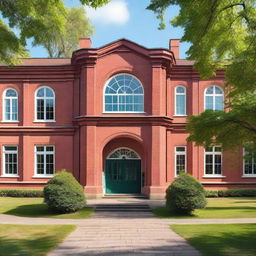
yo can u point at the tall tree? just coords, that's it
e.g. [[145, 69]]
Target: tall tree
[[222, 34], [63, 43], [29, 19]]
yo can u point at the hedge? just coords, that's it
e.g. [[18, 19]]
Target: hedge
[[234, 192], [21, 193]]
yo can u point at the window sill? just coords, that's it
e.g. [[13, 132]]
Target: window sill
[[7, 121], [42, 176], [9, 176], [213, 176], [249, 176], [44, 121], [122, 112]]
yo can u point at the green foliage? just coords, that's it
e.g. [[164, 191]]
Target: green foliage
[[222, 34], [185, 194], [40, 20], [64, 194], [21, 193], [234, 192], [63, 43]]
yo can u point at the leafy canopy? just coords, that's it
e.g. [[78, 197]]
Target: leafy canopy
[[222, 34], [32, 19]]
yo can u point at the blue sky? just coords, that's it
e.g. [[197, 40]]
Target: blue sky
[[127, 19]]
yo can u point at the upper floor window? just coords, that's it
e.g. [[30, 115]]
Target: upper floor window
[[180, 101], [124, 93], [10, 105], [214, 98], [45, 104], [249, 163]]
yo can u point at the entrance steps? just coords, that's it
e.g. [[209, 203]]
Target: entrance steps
[[120, 196], [123, 207]]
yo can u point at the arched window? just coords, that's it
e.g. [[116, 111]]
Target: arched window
[[124, 93], [123, 153], [180, 101], [214, 98], [45, 104], [10, 105]]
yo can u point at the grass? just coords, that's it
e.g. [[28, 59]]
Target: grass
[[35, 207], [26, 240], [220, 239], [218, 208]]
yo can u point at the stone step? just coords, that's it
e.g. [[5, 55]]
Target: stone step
[[122, 208], [112, 196]]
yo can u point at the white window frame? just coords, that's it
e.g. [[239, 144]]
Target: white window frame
[[36, 175], [4, 106], [213, 153], [44, 98], [246, 175], [123, 112], [175, 99], [4, 174], [176, 153], [214, 97]]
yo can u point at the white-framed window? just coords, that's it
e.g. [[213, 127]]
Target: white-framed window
[[123, 93], [44, 104], [180, 159], [214, 98], [10, 161], [249, 164], [44, 161], [10, 105], [180, 100], [213, 161]]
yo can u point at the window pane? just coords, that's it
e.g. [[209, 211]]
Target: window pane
[[11, 93], [180, 89], [210, 90], [49, 92], [180, 149], [49, 109], [208, 164], [40, 93], [180, 104], [219, 103], [209, 102], [40, 109]]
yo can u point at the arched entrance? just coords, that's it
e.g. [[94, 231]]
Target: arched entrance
[[123, 172]]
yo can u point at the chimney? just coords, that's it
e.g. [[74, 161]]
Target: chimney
[[85, 43], [174, 46]]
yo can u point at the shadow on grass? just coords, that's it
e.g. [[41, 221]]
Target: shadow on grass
[[163, 212], [41, 210], [27, 247], [221, 240]]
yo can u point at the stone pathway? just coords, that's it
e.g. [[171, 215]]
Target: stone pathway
[[110, 233]]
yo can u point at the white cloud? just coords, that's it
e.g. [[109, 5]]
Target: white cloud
[[116, 12]]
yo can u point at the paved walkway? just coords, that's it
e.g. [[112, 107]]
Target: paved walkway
[[112, 233]]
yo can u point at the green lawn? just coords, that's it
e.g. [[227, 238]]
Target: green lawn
[[35, 207], [25, 240], [220, 239], [218, 208]]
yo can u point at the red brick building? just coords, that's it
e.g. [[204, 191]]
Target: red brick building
[[115, 117]]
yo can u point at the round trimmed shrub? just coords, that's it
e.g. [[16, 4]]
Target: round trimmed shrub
[[63, 193], [185, 194]]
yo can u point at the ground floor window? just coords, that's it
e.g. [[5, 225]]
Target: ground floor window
[[213, 161], [180, 159], [10, 160], [249, 163], [44, 164]]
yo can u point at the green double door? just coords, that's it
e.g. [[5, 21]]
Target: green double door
[[123, 176]]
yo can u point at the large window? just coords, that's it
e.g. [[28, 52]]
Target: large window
[[10, 161], [124, 93], [10, 105], [44, 160], [180, 159], [180, 101], [45, 104], [214, 98], [249, 164], [213, 161]]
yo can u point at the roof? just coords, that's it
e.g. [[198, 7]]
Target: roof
[[43, 62]]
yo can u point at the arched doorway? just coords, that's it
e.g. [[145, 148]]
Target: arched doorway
[[123, 172]]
